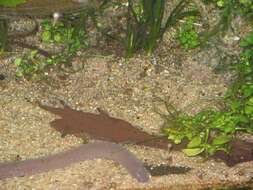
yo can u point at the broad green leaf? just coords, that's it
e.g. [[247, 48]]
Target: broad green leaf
[[18, 61], [248, 109], [247, 90], [19, 74], [220, 3], [247, 41], [212, 150], [235, 105], [46, 36], [177, 140], [250, 101], [193, 151], [241, 118], [221, 140], [33, 53], [195, 142], [58, 38], [229, 128]]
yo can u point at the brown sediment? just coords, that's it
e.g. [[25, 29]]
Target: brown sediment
[[102, 127], [89, 151]]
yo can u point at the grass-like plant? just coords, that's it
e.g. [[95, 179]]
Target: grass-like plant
[[144, 26], [146, 23]]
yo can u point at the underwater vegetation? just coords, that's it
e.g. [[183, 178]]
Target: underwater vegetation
[[187, 35], [143, 24], [146, 23], [212, 129], [70, 36]]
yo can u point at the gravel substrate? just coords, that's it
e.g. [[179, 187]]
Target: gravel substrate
[[126, 90]]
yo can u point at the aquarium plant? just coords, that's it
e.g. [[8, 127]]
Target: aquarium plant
[[187, 34], [146, 23], [70, 37], [212, 129]]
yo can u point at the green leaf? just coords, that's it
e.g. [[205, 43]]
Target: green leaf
[[46, 36], [247, 90], [211, 150], [58, 38], [235, 105], [242, 118], [195, 142], [248, 109], [19, 73], [247, 41], [177, 140], [18, 61], [223, 139], [33, 54], [193, 151], [250, 101]]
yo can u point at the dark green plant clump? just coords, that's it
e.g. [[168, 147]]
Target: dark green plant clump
[[70, 38], [211, 130], [187, 34], [28, 64]]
